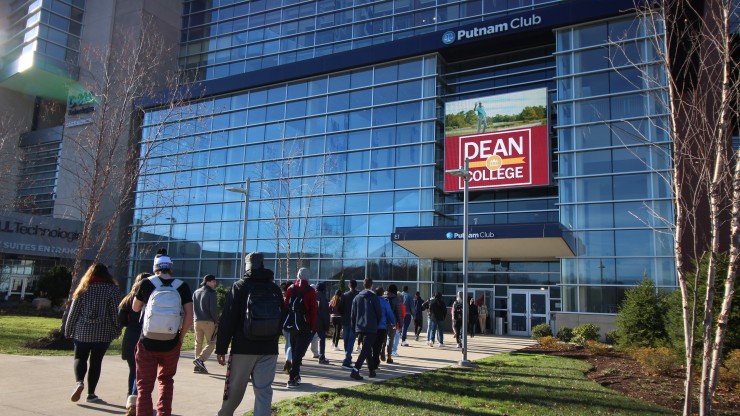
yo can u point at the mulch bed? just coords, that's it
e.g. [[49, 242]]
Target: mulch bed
[[53, 341], [620, 372]]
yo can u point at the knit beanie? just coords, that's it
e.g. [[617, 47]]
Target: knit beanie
[[303, 275], [254, 261], [162, 261]]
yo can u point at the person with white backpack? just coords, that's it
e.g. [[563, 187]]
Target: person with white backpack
[[167, 315]]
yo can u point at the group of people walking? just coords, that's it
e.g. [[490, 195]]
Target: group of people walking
[[159, 309], [157, 313]]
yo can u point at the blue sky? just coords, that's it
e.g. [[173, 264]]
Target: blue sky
[[506, 104]]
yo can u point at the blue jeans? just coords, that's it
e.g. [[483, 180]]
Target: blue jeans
[[405, 328], [435, 326], [349, 343]]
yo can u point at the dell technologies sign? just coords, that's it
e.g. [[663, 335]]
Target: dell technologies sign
[[516, 23]]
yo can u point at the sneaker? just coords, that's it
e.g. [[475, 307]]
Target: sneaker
[[323, 361], [316, 356], [395, 354], [197, 369], [404, 344], [198, 363], [440, 345], [347, 365], [77, 391], [372, 374], [382, 355], [389, 360], [286, 367], [356, 375], [292, 384], [459, 345], [337, 349], [91, 398], [430, 343], [358, 349], [417, 337], [131, 402], [298, 380]]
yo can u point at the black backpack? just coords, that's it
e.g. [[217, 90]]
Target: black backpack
[[458, 311], [263, 312], [296, 318]]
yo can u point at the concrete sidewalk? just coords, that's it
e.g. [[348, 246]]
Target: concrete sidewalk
[[42, 385]]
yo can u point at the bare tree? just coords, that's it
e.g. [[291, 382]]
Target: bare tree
[[108, 156], [293, 198], [700, 75]]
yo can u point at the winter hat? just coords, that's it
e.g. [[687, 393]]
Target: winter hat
[[303, 275], [162, 261], [254, 261], [207, 278], [321, 287]]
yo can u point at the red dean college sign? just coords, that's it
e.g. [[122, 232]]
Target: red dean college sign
[[502, 159]]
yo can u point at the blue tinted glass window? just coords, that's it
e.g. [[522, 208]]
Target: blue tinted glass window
[[407, 201], [356, 203], [385, 94], [383, 158], [358, 140], [359, 119], [625, 242], [631, 187], [355, 247], [316, 106], [381, 179], [332, 225], [407, 155], [594, 189], [358, 160], [384, 115], [381, 202], [409, 133], [361, 98], [338, 102], [358, 182], [407, 178], [355, 225]]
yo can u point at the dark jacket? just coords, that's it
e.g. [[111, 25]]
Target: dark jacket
[[132, 322], [437, 310], [231, 324], [395, 303], [473, 312], [408, 300], [366, 312], [204, 304], [346, 307], [322, 313], [418, 309]]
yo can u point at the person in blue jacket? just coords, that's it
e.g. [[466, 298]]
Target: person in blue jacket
[[387, 319], [365, 317]]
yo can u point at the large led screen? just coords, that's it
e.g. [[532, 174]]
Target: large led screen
[[504, 136]]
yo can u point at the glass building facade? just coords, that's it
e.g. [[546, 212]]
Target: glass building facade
[[339, 159]]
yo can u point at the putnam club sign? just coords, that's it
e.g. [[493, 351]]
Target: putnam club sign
[[502, 159]]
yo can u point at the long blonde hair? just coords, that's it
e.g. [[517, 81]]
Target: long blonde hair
[[129, 298], [98, 270], [336, 299]]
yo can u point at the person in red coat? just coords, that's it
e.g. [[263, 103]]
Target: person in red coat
[[300, 300]]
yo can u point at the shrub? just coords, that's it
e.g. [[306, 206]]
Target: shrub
[[729, 373], [659, 360], [548, 342], [541, 330], [565, 334], [640, 320], [585, 332], [55, 284], [612, 337], [221, 292], [598, 348]]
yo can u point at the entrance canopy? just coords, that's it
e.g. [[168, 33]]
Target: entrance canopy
[[539, 241]]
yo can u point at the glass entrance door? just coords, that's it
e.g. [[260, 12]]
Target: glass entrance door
[[527, 308], [482, 297]]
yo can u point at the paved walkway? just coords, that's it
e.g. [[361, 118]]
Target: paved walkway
[[42, 385]]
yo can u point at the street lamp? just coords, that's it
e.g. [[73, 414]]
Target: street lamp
[[244, 191], [464, 173]]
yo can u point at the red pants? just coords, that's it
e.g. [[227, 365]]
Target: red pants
[[151, 365]]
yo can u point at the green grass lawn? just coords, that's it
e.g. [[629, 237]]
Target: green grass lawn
[[15, 331], [508, 384]]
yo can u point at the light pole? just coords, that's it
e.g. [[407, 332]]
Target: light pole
[[464, 173], [244, 191]]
